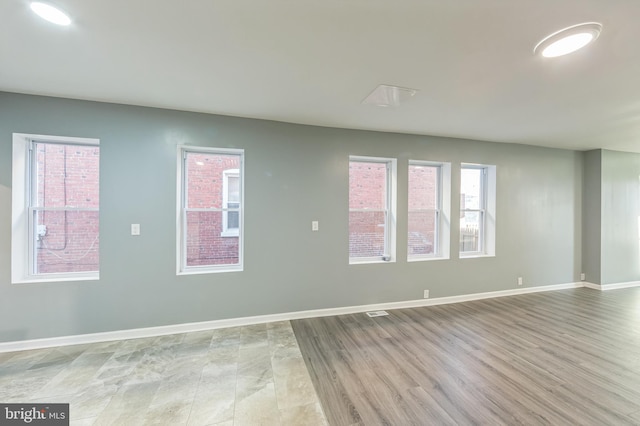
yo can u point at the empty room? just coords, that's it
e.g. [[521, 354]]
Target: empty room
[[319, 213]]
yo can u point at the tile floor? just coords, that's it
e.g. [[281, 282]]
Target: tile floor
[[252, 375]]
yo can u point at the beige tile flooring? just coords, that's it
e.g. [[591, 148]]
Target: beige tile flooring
[[252, 375]]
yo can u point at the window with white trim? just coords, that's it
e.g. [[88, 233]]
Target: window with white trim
[[55, 208], [429, 195], [231, 202], [477, 210], [372, 202], [210, 213]]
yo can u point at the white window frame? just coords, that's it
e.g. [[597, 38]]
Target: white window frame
[[390, 210], [226, 232], [443, 211], [487, 211], [181, 231], [22, 210]]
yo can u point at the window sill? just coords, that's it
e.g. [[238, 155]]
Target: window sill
[[426, 259], [58, 279], [233, 233], [369, 261], [474, 256], [235, 268]]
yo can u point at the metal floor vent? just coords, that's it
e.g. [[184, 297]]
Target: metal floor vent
[[374, 314]]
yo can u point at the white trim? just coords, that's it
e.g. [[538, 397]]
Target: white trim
[[391, 165], [443, 208], [487, 210], [614, 286], [475, 255], [261, 319], [22, 251], [591, 285], [181, 256], [617, 286]]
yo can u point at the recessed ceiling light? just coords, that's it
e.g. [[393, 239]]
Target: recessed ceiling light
[[568, 40], [50, 13], [386, 96]]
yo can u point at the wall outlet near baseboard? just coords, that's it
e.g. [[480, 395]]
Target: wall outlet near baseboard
[[426, 294], [519, 280], [583, 276]]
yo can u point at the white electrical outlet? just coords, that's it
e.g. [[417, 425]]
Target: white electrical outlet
[[426, 294], [519, 280], [314, 225], [583, 276], [135, 229]]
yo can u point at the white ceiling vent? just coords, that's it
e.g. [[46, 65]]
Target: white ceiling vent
[[374, 314], [389, 96]]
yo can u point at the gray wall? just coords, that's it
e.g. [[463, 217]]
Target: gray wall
[[294, 174], [592, 216], [620, 217]]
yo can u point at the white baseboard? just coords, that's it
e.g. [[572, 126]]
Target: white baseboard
[[591, 285], [617, 286], [261, 319], [614, 286]]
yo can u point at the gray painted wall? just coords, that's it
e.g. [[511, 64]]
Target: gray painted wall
[[620, 217], [294, 174], [592, 216]]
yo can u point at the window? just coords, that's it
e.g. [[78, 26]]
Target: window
[[210, 210], [477, 210], [55, 208], [429, 189], [371, 209], [231, 202]]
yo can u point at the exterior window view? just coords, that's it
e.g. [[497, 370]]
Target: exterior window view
[[64, 208], [211, 209], [472, 209], [424, 210], [368, 209]]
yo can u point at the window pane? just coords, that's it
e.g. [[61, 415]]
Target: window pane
[[422, 232], [205, 245], [366, 234], [233, 190], [423, 202], [233, 217], [471, 189], [423, 187], [205, 178], [66, 241], [470, 225], [367, 185], [66, 175]]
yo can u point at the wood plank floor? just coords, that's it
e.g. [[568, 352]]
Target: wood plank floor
[[563, 358]]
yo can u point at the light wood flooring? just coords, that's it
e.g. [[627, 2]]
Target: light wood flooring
[[568, 357]]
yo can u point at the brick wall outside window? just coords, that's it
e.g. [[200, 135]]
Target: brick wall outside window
[[423, 186], [205, 243], [67, 176]]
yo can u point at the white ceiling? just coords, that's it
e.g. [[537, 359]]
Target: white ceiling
[[313, 62]]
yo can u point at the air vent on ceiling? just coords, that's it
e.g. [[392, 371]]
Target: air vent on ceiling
[[389, 96]]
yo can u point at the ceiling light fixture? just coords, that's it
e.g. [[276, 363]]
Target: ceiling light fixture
[[50, 13], [389, 96], [568, 40]]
